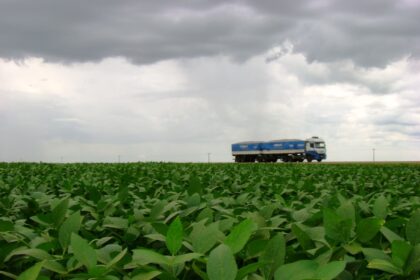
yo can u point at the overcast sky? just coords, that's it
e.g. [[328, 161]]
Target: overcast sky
[[175, 80]]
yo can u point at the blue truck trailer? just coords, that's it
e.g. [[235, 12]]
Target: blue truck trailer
[[287, 150]]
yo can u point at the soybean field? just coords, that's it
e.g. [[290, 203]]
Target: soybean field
[[139, 221]]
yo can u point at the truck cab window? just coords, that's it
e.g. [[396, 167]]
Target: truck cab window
[[312, 145]]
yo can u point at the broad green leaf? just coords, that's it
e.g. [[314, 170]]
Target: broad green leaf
[[70, 225], [82, 251], [145, 256], [412, 229], [336, 228], [330, 270], [368, 228], [55, 266], [309, 269], [59, 211], [174, 236], [32, 272], [372, 253], [240, 235], [385, 265], [146, 275], [157, 209], [303, 239], [203, 237], [221, 264], [206, 213], [353, 248], [115, 222], [346, 212], [301, 215], [380, 207], [390, 235], [401, 251], [194, 185], [273, 255], [299, 270]]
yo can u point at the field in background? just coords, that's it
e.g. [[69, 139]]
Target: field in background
[[210, 221]]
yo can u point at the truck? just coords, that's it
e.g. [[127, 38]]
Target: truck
[[286, 150]]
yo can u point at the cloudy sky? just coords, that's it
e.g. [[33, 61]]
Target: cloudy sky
[[175, 80]]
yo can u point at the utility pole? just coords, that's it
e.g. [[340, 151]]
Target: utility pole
[[373, 154], [208, 157]]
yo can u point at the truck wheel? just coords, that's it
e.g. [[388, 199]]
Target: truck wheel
[[309, 159], [318, 160]]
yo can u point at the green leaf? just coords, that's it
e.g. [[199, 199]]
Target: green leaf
[[199, 272], [194, 185], [330, 270], [303, 239], [33, 252], [174, 236], [372, 253], [248, 269], [221, 264], [157, 209], [380, 207], [273, 255], [413, 263], [32, 272], [346, 212], [146, 275], [8, 274], [389, 234], [82, 251], [309, 269], [59, 212], [145, 256], [412, 229], [181, 259], [115, 222], [55, 267], [336, 228], [298, 270], [400, 253], [117, 258], [69, 226], [240, 235], [203, 237], [368, 228], [384, 265], [353, 248]]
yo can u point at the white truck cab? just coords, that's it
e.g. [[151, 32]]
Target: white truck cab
[[315, 149]]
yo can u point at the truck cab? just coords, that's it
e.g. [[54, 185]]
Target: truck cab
[[315, 149]]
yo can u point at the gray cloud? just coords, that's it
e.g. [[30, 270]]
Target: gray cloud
[[370, 33]]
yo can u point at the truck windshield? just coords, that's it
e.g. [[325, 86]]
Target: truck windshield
[[319, 145]]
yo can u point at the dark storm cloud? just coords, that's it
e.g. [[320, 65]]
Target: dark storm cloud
[[366, 32]]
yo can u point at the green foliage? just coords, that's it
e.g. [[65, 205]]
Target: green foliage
[[221, 264], [174, 236], [145, 221], [82, 251]]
